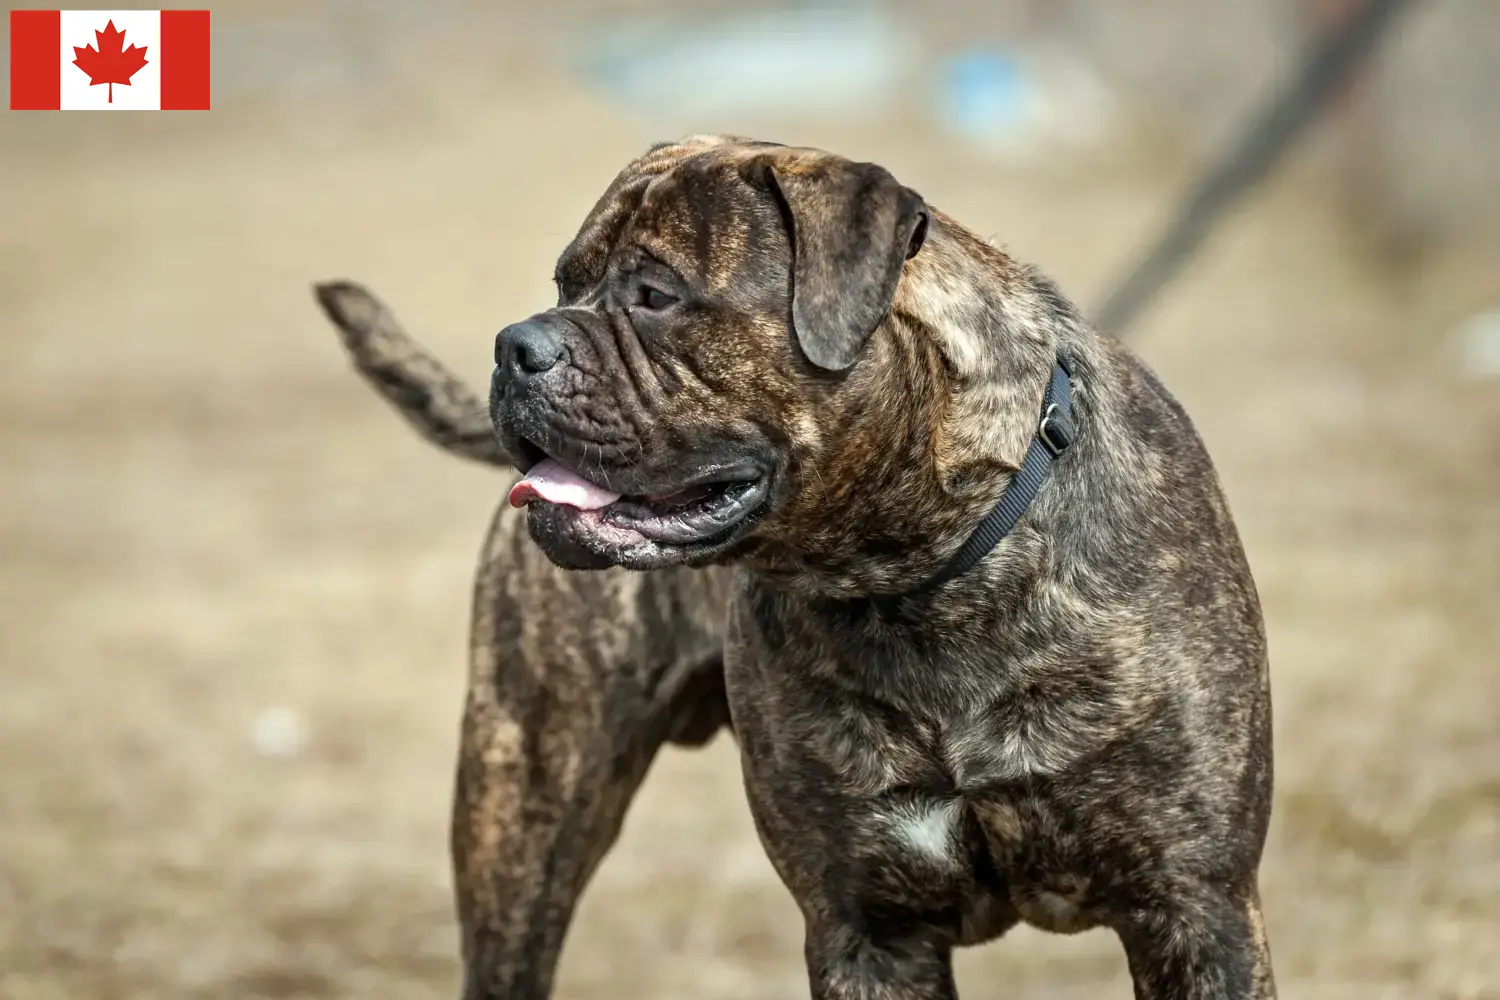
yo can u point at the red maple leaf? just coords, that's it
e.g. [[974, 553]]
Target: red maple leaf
[[111, 62]]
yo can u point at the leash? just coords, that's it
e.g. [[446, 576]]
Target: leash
[[1328, 65], [1055, 433], [1331, 62]]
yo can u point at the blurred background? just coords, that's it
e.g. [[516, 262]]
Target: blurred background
[[234, 587]]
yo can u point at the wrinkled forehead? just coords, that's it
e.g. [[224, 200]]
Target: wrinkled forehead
[[688, 203]]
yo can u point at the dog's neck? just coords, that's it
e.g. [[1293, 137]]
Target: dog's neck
[[964, 361]]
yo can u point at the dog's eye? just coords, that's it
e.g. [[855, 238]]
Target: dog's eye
[[654, 298]]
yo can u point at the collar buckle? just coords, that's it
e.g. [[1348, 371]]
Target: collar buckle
[[1055, 430]]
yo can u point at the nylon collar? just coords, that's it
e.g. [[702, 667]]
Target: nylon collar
[[1054, 435]]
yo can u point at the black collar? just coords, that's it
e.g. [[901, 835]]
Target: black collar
[[1054, 434]]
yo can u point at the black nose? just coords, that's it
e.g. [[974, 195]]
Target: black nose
[[527, 348]]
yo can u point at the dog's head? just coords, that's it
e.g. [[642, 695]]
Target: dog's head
[[711, 380]]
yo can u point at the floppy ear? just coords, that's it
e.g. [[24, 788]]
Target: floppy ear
[[852, 226]]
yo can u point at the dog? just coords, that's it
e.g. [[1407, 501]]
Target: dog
[[953, 567]]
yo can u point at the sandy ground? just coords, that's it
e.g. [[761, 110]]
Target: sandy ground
[[204, 516]]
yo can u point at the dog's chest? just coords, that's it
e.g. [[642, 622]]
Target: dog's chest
[[987, 857], [921, 777], [944, 815], [970, 746], [926, 832]]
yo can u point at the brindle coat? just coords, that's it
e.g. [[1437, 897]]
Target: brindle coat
[[1075, 733]]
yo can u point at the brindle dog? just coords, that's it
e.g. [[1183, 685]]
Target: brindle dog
[[784, 364]]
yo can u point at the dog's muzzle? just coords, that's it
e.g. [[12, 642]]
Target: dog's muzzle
[[525, 350]]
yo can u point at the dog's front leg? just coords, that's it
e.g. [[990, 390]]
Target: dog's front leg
[[1207, 946]]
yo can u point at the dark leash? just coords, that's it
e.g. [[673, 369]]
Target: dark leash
[[1329, 64]]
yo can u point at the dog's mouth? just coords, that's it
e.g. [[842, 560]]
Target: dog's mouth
[[705, 510]]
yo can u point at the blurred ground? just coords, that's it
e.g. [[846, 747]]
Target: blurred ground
[[204, 515]]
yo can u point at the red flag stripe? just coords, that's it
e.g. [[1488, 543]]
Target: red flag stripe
[[35, 41], [184, 60]]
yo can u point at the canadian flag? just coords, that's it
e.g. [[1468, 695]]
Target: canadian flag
[[109, 60]]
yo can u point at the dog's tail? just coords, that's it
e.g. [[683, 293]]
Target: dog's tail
[[437, 403]]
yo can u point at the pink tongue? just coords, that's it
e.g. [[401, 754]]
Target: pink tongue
[[549, 480]]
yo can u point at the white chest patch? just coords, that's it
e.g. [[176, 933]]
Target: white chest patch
[[925, 829]]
